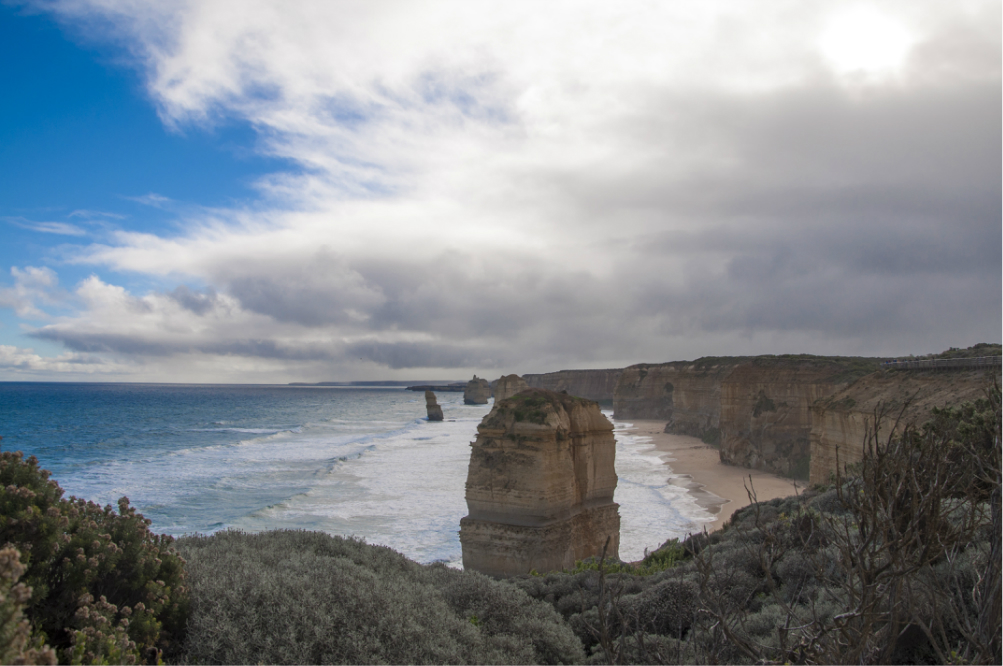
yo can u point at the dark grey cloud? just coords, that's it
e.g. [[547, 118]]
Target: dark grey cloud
[[194, 301], [139, 344]]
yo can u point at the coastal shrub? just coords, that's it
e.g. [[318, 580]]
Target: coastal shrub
[[16, 644], [307, 597], [105, 588]]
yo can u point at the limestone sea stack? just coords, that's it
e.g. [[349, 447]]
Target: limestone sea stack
[[540, 486], [432, 407], [477, 392], [508, 386]]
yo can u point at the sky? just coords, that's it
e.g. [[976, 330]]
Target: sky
[[269, 192]]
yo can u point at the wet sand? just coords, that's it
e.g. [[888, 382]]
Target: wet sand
[[719, 488]]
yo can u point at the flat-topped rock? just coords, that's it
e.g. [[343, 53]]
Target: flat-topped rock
[[432, 407], [508, 386], [540, 486], [477, 392]]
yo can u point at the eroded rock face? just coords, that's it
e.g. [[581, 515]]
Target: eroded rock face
[[841, 422], [477, 392], [508, 386], [591, 384], [432, 407], [540, 486], [756, 409]]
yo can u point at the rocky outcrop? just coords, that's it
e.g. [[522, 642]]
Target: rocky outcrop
[[508, 386], [841, 422], [540, 486], [476, 392], [432, 407], [595, 385]]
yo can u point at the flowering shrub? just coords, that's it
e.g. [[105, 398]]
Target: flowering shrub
[[15, 631], [105, 588]]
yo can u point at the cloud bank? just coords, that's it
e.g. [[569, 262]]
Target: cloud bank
[[525, 187]]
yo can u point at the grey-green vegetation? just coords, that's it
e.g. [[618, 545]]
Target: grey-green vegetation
[[295, 597]]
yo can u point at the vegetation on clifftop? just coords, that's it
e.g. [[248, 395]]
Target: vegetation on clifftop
[[533, 406]]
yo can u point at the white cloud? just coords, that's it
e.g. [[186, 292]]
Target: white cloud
[[32, 285], [62, 228], [481, 185], [17, 362]]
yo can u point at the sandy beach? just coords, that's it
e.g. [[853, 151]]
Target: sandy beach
[[719, 488]]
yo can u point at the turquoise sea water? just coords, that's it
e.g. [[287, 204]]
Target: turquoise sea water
[[353, 461]]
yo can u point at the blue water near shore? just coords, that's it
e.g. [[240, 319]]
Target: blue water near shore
[[351, 461]]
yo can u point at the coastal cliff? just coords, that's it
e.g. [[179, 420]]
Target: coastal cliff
[[757, 409], [841, 421], [766, 416], [595, 385], [540, 486]]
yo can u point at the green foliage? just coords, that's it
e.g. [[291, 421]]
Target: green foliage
[[529, 408], [975, 351], [306, 597], [106, 589], [16, 645]]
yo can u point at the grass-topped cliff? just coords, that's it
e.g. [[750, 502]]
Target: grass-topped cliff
[[532, 406]]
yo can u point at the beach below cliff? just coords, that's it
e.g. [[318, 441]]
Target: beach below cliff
[[697, 467]]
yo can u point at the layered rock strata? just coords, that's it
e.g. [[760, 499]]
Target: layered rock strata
[[756, 409], [477, 392], [891, 399], [766, 414], [508, 386], [432, 407], [592, 384], [540, 486]]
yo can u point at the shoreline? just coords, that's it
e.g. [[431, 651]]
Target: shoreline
[[720, 489]]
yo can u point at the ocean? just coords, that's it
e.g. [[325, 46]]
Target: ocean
[[354, 461]]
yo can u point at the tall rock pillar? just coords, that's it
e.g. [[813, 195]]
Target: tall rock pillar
[[540, 486], [508, 386], [476, 392], [432, 407]]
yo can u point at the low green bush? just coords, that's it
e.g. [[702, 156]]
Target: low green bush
[[105, 588], [16, 644]]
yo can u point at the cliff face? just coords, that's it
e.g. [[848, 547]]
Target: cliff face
[[840, 422], [685, 395], [540, 486], [508, 386], [592, 384], [766, 414], [756, 408]]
